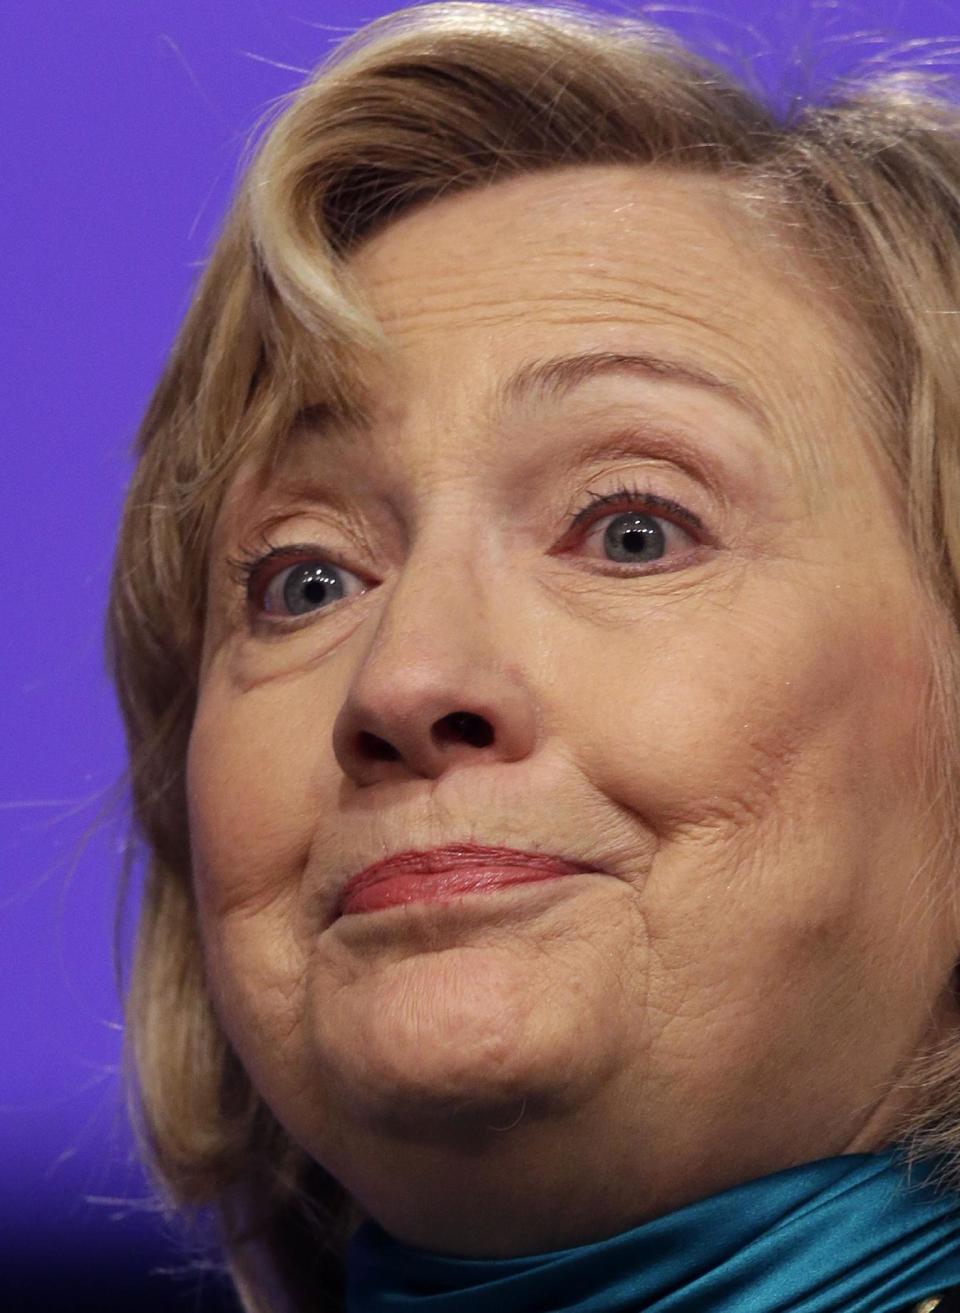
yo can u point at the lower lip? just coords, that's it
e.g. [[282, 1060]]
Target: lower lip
[[440, 887]]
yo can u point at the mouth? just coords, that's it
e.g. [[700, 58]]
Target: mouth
[[439, 874]]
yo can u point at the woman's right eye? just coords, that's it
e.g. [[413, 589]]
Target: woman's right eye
[[301, 585], [304, 587]]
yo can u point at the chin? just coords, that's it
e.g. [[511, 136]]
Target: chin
[[428, 1043]]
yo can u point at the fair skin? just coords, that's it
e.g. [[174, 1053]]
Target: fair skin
[[727, 732]]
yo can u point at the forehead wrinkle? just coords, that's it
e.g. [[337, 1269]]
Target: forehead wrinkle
[[566, 309], [588, 304], [432, 306], [525, 263]]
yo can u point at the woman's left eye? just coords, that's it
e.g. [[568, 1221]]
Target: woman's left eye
[[637, 535]]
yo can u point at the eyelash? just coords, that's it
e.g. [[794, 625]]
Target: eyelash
[[249, 568]]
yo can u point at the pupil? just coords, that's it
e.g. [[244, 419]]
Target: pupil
[[639, 536], [308, 586]]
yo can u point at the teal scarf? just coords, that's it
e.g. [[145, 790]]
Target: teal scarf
[[841, 1235]]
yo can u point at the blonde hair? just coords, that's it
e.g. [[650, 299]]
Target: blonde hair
[[433, 100]]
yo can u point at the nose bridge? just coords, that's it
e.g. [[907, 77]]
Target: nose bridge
[[443, 602], [442, 617], [438, 679]]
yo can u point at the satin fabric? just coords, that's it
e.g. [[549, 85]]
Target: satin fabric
[[851, 1234]]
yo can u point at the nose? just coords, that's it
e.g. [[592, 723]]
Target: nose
[[436, 688]]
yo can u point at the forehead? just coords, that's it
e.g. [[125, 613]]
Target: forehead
[[615, 258], [614, 235], [594, 246]]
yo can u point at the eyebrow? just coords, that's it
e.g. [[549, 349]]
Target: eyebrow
[[554, 378]]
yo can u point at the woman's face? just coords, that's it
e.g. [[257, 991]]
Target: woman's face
[[710, 691]]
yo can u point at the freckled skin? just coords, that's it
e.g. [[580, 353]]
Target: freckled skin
[[733, 740]]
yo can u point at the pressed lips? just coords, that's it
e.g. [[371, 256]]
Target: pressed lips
[[467, 867]]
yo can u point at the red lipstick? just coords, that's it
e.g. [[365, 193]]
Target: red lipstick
[[440, 874]]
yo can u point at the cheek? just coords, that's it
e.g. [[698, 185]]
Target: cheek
[[715, 711], [253, 799], [252, 786], [771, 747]]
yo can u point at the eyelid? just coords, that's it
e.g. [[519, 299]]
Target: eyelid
[[668, 445], [648, 499]]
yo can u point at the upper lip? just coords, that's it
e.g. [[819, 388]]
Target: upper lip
[[454, 856]]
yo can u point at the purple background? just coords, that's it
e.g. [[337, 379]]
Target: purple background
[[122, 126]]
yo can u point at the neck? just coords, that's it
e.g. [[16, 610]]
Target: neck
[[851, 1231]]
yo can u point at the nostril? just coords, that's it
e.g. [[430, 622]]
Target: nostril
[[377, 748], [464, 725]]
